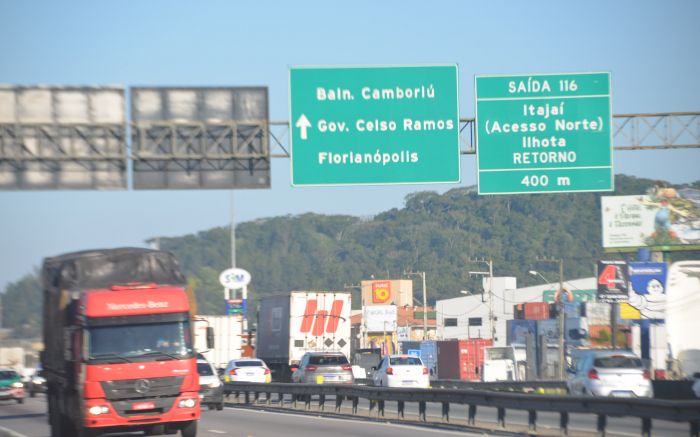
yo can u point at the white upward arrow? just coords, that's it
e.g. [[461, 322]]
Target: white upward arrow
[[303, 123]]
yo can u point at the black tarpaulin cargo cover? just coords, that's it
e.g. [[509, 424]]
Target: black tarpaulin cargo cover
[[106, 267]]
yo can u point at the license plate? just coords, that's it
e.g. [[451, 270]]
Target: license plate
[[330, 377], [406, 382], [249, 374], [143, 406], [622, 394]]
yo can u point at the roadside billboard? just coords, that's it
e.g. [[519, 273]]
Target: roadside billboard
[[664, 217]]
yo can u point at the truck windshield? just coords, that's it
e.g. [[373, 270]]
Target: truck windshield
[[139, 342]]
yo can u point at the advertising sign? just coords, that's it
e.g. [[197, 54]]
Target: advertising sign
[[234, 278], [381, 292], [648, 281], [664, 217], [613, 279], [379, 318], [374, 125]]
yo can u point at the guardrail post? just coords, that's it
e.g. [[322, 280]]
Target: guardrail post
[[471, 420], [295, 397], [280, 399], [422, 411], [695, 429], [268, 398], [602, 422], [256, 397], [401, 409], [446, 411], [564, 423], [338, 403], [380, 408], [646, 427], [501, 417], [307, 402], [532, 420], [321, 402], [247, 397], [355, 401]]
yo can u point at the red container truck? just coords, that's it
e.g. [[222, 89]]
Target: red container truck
[[118, 353], [461, 359]]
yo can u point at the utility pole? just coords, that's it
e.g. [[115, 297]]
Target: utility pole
[[425, 307], [560, 306], [488, 262]]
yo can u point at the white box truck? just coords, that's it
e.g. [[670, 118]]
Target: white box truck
[[292, 324], [228, 332]]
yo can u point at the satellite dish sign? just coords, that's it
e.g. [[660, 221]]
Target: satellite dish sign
[[234, 278]]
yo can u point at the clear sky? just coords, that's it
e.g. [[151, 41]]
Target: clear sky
[[650, 48]]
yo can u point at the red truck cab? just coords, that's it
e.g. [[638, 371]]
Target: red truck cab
[[139, 365]]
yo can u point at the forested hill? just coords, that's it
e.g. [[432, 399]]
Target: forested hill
[[438, 234]]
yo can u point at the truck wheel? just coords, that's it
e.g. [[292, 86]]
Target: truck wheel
[[189, 430], [20, 400], [220, 406]]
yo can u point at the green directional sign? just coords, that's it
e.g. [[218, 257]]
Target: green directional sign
[[374, 125], [544, 133]]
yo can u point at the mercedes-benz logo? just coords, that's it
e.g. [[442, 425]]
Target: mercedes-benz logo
[[142, 386]]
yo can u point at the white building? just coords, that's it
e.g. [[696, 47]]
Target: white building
[[484, 315]]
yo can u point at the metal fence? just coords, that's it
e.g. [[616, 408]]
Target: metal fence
[[646, 410]]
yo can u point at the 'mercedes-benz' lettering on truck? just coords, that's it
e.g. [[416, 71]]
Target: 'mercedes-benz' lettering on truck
[[118, 344], [302, 321]]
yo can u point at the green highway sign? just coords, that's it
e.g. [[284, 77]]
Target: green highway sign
[[544, 133], [374, 125]]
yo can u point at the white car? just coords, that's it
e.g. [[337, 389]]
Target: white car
[[610, 373], [247, 370], [401, 371]]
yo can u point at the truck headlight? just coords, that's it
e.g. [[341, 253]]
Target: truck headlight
[[187, 403], [96, 410]]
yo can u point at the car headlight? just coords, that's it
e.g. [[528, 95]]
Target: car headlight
[[187, 403], [17, 385], [214, 384], [37, 381], [96, 410]]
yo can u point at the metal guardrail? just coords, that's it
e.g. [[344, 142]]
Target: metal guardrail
[[646, 410], [543, 386]]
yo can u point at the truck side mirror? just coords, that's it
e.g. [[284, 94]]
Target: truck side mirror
[[210, 337]]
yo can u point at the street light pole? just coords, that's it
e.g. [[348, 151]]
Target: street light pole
[[562, 315], [488, 262]]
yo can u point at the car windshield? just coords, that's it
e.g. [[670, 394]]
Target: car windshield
[[328, 360], [405, 361], [248, 363], [8, 374], [140, 342], [204, 369], [617, 362]]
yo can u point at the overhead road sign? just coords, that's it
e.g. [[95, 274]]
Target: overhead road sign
[[62, 138], [374, 125], [200, 137], [544, 133]]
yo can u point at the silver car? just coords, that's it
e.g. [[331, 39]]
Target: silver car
[[610, 373], [323, 368]]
